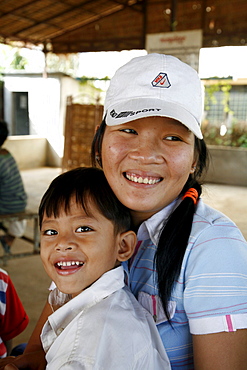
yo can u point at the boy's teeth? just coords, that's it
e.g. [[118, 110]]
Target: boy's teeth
[[69, 263], [142, 180]]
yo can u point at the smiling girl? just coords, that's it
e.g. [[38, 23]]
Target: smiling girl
[[189, 267]]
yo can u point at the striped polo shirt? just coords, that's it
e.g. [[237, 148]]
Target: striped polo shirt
[[210, 295], [12, 194]]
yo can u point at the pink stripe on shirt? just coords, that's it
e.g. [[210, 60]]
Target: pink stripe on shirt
[[229, 323]]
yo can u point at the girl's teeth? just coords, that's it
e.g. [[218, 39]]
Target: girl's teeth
[[141, 180]]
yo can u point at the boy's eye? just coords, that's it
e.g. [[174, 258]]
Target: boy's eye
[[50, 232], [83, 229]]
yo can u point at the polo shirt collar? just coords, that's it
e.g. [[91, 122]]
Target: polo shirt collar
[[151, 228]]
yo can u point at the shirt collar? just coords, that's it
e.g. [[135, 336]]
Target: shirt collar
[[107, 284], [150, 229]]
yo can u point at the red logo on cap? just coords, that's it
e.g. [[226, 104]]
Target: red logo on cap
[[161, 80]]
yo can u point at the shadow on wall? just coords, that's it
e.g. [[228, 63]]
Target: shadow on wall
[[228, 165], [32, 152]]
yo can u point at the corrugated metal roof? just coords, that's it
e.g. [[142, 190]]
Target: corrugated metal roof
[[66, 26]]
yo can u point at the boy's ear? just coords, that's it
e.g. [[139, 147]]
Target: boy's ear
[[126, 245]]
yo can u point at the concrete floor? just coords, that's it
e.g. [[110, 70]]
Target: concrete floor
[[27, 273]]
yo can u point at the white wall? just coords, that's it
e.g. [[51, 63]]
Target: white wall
[[43, 101], [46, 101]]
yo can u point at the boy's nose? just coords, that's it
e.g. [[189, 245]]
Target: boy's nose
[[65, 243]]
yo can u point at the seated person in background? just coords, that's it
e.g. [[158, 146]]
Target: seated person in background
[[13, 318], [13, 198], [96, 323]]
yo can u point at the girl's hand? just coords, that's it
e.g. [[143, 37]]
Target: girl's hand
[[10, 367], [31, 361], [6, 360]]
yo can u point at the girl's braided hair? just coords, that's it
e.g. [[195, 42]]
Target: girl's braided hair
[[174, 236]]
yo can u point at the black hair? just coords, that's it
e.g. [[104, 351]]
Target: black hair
[[174, 236], [97, 145], [87, 185], [3, 132]]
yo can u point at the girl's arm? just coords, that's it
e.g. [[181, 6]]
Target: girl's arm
[[34, 343], [221, 351]]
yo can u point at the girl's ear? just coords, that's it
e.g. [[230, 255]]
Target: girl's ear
[[195, 161], [193, 168], [126, 245]]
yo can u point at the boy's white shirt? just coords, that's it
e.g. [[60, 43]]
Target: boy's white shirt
[[104, 327]]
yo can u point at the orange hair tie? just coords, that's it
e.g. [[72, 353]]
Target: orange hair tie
[[193, 194]]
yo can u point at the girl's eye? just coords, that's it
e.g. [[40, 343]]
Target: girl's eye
[[129, 131], [83, 229], [172, 138], [50, 232]]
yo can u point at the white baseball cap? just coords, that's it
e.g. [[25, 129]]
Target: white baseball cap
[[155, 85]]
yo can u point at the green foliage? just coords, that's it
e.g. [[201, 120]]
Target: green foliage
[[18, 62], [210, 91], [11, 58], [64, 63], [242, 141], [235, 136], [84, 79]]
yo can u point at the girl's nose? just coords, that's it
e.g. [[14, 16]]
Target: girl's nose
[[148, 151]]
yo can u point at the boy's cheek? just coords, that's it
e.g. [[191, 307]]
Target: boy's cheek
[[43, 254]]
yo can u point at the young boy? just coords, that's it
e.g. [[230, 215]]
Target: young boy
[[97, 323]]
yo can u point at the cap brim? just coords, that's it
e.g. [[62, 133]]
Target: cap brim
[[130, 110]]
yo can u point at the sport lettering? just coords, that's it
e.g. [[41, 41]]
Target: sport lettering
[[125, 114]]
